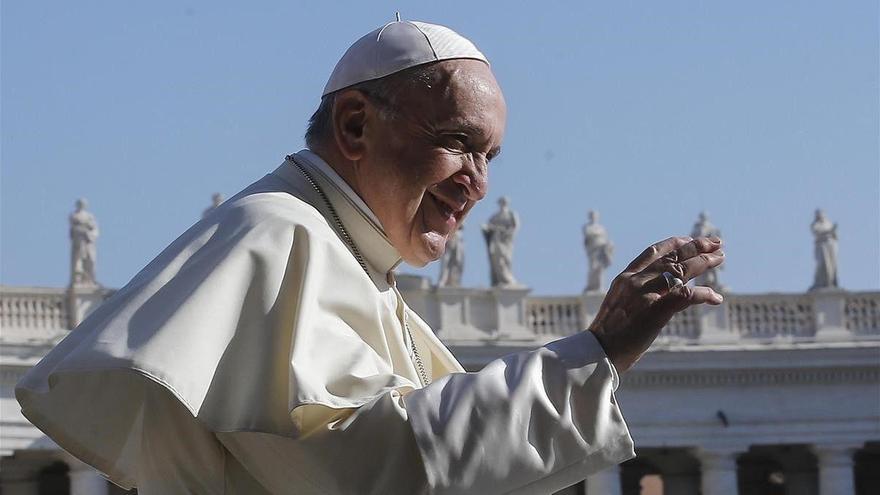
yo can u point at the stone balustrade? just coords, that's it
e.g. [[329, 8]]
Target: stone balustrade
[[709, 409], [555, 315], [33, 308], [772, 315], [684, 326], [862, 312], [833, 315], [28, 313], [512, 314]]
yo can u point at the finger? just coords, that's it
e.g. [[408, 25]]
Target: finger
[[682, 297], [655, 251], [677, 300], [653, 282], [698, 246], [686, 270], [698, 265], [670, 262], [689, 250]]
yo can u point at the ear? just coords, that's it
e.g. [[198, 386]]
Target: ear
[[351, 112]]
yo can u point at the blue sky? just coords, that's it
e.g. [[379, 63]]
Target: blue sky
[[649, 112]]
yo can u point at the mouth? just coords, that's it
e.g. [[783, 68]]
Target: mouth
[[450, 211]]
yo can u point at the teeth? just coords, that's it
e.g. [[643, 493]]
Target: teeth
[[445, 209]]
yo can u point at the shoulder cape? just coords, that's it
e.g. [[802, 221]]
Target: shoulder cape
[[254, 311]]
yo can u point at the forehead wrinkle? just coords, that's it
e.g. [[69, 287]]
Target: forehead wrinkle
[[467, 118], [457, 98]]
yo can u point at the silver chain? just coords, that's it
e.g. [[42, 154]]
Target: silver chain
[[346, 237]]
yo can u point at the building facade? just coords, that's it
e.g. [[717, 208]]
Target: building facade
[[766, 394]]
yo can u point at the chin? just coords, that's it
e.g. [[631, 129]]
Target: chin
[[429, 247]]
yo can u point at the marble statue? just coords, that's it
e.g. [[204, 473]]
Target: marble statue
[[83, 252], [216, 200], [599, 251], [452, 263], [499, 234], [825, 234], [704, 228]]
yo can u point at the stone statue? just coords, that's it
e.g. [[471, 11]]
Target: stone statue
[[705, 228], [825, 234], [83, 252], [216, 200], [452, 263], [599, 252], [499, 234]]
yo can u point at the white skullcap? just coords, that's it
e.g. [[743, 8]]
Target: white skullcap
[[397, 46]]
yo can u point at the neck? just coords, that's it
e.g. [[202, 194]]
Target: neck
[[341, 165], [345, 211]]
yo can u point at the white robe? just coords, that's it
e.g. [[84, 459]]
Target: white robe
[[255, 353]]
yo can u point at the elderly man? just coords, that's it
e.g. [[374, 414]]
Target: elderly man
[[267, 350]]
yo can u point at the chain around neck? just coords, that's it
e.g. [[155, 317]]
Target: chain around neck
[[346, 237]]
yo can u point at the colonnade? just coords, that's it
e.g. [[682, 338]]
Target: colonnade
[[38, 473], [716, 471], [719, 471]]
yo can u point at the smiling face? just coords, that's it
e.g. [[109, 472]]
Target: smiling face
[[423, 168]]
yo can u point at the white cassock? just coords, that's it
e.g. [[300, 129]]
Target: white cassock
[[255, 355]]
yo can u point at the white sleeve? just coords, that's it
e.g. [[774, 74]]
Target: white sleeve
[[530, 422]]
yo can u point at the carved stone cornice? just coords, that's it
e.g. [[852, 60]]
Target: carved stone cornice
[[10, 375], [728, 377]]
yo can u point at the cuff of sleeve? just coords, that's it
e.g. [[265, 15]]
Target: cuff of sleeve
[[581, 349]]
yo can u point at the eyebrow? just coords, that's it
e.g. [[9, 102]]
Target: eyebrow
[[471, 127], [493, 153], [464, 125], [474, 130]]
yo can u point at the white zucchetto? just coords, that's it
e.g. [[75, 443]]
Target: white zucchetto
[[397, 46]]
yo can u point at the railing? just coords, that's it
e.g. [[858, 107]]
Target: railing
[[554, 315], [684, 325], [862, 313], [752, 317], [772, 316], [33, 308]]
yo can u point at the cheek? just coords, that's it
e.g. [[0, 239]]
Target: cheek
[[416, 173], [438, 167], [413, 172]]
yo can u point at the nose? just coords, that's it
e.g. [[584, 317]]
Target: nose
[[474, 181]]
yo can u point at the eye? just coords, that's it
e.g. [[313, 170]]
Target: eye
[[456, 141]]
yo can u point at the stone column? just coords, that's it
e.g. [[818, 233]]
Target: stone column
[[799, 470], [681, 484], [81, 301], [828, 306], [718, 467], [84, 480], [575, 489], [19, 479], [606, 482], [800, 482], [453, 311], [510, 313], [715, 325], [590, 304], [835, 469]]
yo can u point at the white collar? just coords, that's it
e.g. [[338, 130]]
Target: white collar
[[363, 226], [325, 168]]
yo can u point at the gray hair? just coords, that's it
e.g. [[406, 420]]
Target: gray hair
[[381, 92]]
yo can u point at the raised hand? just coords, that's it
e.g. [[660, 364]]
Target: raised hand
[[643, 298]]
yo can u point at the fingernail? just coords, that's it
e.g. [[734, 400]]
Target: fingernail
[[718, 298], [719, 253]]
